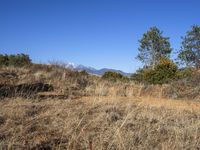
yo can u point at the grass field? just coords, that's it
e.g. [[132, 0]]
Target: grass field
[[48, 107], [100, 123]]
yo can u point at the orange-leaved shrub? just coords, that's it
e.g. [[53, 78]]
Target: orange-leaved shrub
[[164, 72]]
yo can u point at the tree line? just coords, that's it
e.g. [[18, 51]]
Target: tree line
[[17, 60], [154, 46], [154, 53]]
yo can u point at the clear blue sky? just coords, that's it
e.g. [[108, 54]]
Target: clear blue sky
[[97, 33]]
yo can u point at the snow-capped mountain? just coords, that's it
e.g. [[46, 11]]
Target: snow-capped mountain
[[93, 70], [70, 65]]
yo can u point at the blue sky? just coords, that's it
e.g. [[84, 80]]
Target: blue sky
[[96, 33]]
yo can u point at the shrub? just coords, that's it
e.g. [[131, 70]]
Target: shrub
[[138, 76], [84, 73], [18, 60], [188, 77], [114, 76], [162, 73], [185, 73], [4, 60]]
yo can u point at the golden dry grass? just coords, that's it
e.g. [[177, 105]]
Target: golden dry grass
[[100, 122], [94, 114]]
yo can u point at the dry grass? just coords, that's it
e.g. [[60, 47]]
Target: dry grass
[[103, 122], [94, 114]]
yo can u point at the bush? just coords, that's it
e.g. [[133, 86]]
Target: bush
[[164, 72], [84, 73], [114, 76], [138, 76], [185, 73], [18, 60], [4, 60]]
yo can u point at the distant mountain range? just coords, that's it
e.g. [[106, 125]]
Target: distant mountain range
[[93, 70]]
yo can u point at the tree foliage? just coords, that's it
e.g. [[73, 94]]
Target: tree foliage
[[153, 46], [18, 60], [189, 53]]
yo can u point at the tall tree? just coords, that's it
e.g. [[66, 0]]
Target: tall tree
[[153, 46], [189, 53]]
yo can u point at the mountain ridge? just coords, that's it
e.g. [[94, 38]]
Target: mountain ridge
[[92, 70]]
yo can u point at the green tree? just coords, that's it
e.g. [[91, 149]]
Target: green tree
[[153, 46], [189, 53]]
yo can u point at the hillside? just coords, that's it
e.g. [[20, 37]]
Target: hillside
[[51, 107]]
